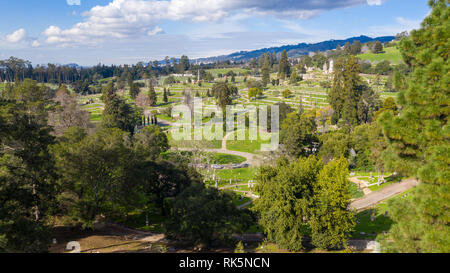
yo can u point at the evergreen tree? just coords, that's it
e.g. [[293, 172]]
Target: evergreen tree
[[120, 114], [27, 179], [418, 139], [284, 67], [134, 90], [165, 98], [352, 100], [152, 94], [266, 73], [298, 132]]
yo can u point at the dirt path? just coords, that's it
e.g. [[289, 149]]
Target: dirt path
[[387, 192]]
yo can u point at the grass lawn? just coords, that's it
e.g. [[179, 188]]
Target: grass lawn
[[164, 117], [242, 201], [137, 220], [391, 54], [244, 174], [381, 223], [227, 159], [355, 191], [248, 146]]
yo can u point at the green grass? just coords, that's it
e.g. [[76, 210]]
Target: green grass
[[227, 159], [391, 54], [247, 146], [137, 220], [381, 223], [354, 191], [244, 175], [243, 200], [389, 180]]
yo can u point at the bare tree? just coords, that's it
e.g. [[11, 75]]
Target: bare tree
[[67, 113]]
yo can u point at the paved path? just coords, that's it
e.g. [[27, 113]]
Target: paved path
[[387, 192]]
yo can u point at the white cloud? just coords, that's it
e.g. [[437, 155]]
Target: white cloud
[[17, 36], [375, 2], [155, 31], [401, 24], [73, 2], [35, 43], [128, 18]]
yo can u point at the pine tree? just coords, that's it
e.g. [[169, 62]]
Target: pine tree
[[152, 94], [352, 100], [134, 90], [266, 73], [165, 98], [284, 68], [419, 139]]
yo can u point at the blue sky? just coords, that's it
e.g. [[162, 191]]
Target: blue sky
[[127, 31]]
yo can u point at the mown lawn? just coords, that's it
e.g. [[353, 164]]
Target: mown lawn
[[227, 159], [355, 191], [382, 222], [247, 145], [391, 54], [244, 174]]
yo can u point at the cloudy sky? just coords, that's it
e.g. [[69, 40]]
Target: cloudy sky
[[127, 31]]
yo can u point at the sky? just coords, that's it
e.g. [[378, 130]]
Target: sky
[[88, 32]]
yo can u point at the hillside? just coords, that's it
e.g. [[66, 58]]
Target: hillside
[[391, 54], [294, 50]]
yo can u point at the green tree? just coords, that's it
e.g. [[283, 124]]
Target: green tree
[[150, 142], [286, 93], [331, 221], [152, 94], [266, 72], [352, 100], [120, 114], [198, 213], [298, 133], [165, 98], [286, 193], [134, 90], [334, 145], [27, 179], [418, 138], [284, 67], [97, 173], [254, 92], [377, 47], [223, 93]]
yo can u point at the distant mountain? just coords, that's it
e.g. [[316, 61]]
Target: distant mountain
[[293, 50]]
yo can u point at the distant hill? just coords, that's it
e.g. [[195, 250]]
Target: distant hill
[[293, 50]]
